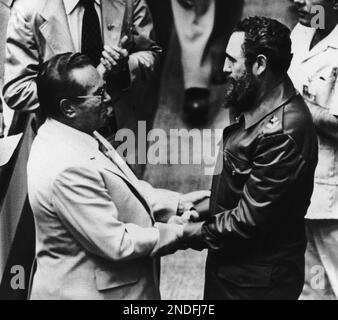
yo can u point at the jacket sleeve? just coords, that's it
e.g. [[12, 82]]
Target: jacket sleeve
[[164, 202], [277, 164], [22, 63], [83, 204], [145, 51]]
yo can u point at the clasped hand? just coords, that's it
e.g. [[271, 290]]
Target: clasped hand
[[187, 217], [114, 59]]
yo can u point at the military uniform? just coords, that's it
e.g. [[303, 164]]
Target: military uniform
[[256, 232], [314, 74]]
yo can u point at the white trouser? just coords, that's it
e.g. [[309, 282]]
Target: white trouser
[[194, 27]]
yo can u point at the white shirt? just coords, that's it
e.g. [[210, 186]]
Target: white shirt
[[75, 11], [312, 74]]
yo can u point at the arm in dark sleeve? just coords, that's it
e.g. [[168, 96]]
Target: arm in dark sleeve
[[277, 164]]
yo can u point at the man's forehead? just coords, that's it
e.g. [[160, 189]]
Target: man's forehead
[[236, 41], [88, 77]]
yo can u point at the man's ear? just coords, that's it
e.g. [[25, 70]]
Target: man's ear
[[260, 66], [67, 109]]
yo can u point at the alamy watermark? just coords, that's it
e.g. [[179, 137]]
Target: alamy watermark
[[318, 20], [172, 147], [18, 278]]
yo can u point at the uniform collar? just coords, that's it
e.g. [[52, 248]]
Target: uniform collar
[[302, 37], [278, 97], [331, 40], [7, 3], [70, 5]]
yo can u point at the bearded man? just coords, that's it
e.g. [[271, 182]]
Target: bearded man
[[255, 229]]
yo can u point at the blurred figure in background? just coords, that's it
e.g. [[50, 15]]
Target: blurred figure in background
[[16, 227], [199, 25], [5, 6], [194, 21], [202, 28], [314, 71]]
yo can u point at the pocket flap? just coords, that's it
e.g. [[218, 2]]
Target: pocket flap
[[106, 280]]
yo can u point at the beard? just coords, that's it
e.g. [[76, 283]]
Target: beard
[[240, 94]]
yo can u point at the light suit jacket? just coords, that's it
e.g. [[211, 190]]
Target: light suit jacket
[[94, 220], [38, 30]]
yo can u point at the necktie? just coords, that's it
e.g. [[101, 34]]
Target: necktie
[[92, 44]]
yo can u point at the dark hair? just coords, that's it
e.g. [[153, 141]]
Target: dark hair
[[268, 37], [55, 81]]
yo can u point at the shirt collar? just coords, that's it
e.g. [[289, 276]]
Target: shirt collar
[[332, 39], [278, 97], [70, 5], [73, 137]]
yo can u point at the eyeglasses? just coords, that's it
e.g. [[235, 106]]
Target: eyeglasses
[[101, 93]]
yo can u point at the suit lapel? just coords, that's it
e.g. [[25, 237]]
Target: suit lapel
[[113, 12], [56, 29], [118, 166], [133, 188]]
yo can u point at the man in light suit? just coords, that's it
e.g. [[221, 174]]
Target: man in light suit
[[40, 29], [95, 221], [37, 31]]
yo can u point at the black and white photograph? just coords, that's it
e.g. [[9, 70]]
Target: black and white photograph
[[174, 151]]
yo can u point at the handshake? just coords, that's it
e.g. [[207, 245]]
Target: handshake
[[192, 211]]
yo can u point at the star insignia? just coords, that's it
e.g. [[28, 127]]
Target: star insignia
[[273, 123]]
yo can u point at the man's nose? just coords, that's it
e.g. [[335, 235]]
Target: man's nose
[[226, 68], [299, 2]]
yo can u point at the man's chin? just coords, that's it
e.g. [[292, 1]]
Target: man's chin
[[238, 104], [304, 21]]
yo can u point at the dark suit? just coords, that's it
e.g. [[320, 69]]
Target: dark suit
[[256, 232]]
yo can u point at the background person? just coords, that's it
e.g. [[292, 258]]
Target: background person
[[314, 71]]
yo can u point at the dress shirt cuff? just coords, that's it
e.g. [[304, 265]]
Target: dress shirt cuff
[[166, 204], [169, 241]]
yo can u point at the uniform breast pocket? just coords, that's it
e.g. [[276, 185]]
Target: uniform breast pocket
[[321, 88], [112, 279], [238, 169]]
